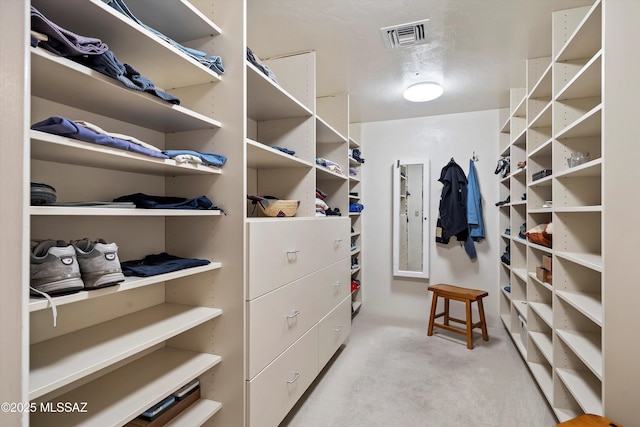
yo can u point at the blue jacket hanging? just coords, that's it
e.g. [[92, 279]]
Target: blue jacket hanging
[[474, 205]]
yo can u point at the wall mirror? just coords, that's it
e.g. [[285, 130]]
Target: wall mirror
[[410, 218]]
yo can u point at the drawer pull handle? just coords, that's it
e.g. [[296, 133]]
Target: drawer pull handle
[[293, 252], [338, 283], [336, 243], [295, 314], [338, 328], [296, 375]]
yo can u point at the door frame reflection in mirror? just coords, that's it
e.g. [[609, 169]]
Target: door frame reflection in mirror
[[400, 183]]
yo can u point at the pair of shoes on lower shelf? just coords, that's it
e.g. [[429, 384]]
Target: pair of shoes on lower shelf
[[58, 267], [504, 202]]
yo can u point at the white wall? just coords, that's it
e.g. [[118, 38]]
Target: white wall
[[438, 138]]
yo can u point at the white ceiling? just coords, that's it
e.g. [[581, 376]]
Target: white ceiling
[[477, 49]]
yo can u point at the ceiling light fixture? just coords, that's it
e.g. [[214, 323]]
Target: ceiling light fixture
[[423, 91]]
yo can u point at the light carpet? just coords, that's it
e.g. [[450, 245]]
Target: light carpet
[[391, 374]]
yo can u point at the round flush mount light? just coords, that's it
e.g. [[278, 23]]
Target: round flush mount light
[[423, 91]]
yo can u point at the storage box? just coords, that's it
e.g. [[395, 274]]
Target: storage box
[[543, 275], [540, 174], [546, 262]]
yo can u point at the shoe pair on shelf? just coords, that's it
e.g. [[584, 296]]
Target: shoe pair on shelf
[[504, 202], [59, 267]]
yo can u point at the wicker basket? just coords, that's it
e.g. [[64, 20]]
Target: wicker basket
[[280, 208]]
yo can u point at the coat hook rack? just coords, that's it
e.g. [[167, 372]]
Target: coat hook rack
[[475, 158]]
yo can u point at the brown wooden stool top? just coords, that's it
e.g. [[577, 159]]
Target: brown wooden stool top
[[589, 420], [457, 291]]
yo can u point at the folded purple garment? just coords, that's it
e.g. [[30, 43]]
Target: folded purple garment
[[63, 42], [61, 126]]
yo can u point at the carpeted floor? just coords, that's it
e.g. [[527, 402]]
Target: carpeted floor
[[391, 374]]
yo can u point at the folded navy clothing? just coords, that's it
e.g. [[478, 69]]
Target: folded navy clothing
[[145, 201], [62, 126], [161, 263], [284, 150], [62, 41], [109, 65], [207, 158]]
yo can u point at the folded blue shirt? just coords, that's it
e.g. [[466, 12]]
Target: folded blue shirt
[[58, 125]]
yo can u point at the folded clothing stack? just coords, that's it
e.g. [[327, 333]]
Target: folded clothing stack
[[42, 194]]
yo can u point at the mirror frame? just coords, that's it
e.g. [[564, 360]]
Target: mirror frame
[[426, 194]]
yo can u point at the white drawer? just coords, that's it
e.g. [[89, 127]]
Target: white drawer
[[334, 285], [274, 391], [278, 318], [333, 330], [279, 252], [333, 242]]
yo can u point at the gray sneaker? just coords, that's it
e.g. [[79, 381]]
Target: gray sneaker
[[99, 263], [54, 268]]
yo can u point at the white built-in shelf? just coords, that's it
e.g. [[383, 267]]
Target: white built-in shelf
[[543, 310], [590, 168], [355, 270], [519, 172], [563, 209], [354, 197], [125, 393], [520, 273], [518, 203], [592, 261], [355, 233], [353, 143], [586, 83], [355, 213], [542, 182], [62, 360], [354, 162], [542, 88], [96, 211], [587, 346], [545, 284], [261, 156], [130, 42], [520, 138], [60, 149], [355, 251], [186, 22], [544, 150], [544, 344], [589, 124], [326, 174], [355, 305], [354, 178], [129, 283], [196, 414], [266, 100], [506, 320], [542, 374], [518, 239], [564, 414], [540, 211], [587, 303], [505, 128], [506, 294], [327, 134], [540, 247], [586, 39], [519, 345], [520, 109], [52, 76], [521, 307], [543, 119], [584, 388]]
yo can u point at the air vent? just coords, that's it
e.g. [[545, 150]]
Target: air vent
[[411, 34]]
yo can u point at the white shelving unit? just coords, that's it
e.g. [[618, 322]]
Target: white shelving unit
[[123, 348], [297, 285], [577, 325]]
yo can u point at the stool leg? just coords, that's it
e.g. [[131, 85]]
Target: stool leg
[[483, 323], [469, 326], [446, 311], [434, 302]]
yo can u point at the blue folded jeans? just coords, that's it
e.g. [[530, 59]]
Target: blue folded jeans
[[161, 263]]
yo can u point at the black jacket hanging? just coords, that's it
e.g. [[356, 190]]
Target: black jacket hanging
[[453, 204]]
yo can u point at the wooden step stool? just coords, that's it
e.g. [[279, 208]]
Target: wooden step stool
[[457, 293], [589, 420]]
